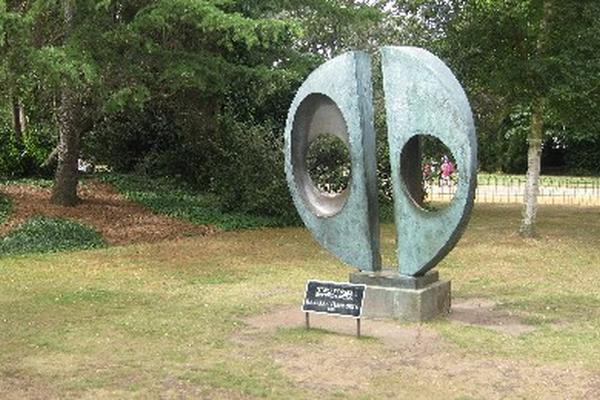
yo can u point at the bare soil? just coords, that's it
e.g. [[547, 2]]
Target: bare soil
[[484, 313], [119, 220], [415, 355]]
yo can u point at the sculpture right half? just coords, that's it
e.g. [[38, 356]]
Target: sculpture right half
[[423, 97]]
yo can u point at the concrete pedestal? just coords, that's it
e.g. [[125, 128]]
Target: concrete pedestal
[[390, 295]]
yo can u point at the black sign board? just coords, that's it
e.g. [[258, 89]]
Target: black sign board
[[344, 299]]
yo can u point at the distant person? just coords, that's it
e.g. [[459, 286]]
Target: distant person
[[447, 170]]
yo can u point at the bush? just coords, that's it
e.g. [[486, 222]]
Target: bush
[[150, 142], [582, 156], [10, 154], [122, 140], [43, 234], [179, 200], [248, 172], [240, 163], [25, 159]]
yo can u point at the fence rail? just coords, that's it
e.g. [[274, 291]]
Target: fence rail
[[511, 189]]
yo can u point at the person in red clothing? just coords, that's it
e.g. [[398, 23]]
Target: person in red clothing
[[447, 170]]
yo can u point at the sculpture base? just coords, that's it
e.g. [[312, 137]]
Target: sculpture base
[[391, 295]]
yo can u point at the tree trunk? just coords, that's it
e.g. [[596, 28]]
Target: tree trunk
[[66, 179], [18, 119], [534, 162], [64, 192], [536, 134], [18, 110]]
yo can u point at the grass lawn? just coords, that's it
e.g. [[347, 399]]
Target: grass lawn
[[174, 319]]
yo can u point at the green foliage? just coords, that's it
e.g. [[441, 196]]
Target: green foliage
[[249, 173], [19, 159], [126, 60], [5, 208], [179, 200], [510, 53], [195, 89], [10, 156], [505, 148], [142, 140], [218, 79], [43, 234], [582, 156], [11, 151], [210, 71], [199, 89], [328, 163], [332, 27], [39, 182]]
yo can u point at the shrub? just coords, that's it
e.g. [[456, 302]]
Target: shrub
[[20, 159], [582, 156], [43, 234], [122, 140], [249, 176], [177, 199], [150, 142]]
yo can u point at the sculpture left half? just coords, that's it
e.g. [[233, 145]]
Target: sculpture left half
[[336, 99]]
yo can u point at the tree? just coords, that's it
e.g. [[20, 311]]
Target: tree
[[95, 60], [534, 53], [64, 191], [11, 33], [217, 110]]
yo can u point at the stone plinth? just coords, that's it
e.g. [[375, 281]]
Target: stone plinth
[[391, 295]]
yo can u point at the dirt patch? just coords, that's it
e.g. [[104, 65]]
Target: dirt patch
[[415, 339], [14, 385], [346, 361], [119, 220], [483, 313], [408, 361]]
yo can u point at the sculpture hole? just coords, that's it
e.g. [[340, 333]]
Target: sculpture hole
[[429, 172], [320, 159], [328, 163]]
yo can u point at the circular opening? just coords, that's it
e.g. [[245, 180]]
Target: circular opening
[[320, 155], [429, 172], [328, 164]]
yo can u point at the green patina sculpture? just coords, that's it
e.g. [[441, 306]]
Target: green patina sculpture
[[336, 99], [422, 97]]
